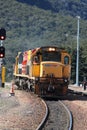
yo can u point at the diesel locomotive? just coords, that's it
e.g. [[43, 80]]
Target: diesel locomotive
[[43, 70]]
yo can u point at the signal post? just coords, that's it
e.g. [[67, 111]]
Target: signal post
[[2, 55]]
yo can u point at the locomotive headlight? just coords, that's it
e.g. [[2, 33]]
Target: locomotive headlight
[[65, 80], [51, 49]]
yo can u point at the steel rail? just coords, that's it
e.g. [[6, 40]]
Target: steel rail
[[45, 117], [70, 116]]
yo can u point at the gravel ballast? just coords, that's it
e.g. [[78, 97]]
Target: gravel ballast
[[23, 111]]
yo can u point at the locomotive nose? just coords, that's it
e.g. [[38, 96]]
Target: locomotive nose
[[49, 69]]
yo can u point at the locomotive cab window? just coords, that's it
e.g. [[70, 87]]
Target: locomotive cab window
[[66, 60], [36, 59], [51, 56]]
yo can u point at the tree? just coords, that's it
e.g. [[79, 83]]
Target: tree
[[82, 65]]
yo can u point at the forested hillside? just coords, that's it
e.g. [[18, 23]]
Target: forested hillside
[[71, 7], [33, 23]]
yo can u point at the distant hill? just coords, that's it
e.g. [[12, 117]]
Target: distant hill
[[67, 7], [33, 23]]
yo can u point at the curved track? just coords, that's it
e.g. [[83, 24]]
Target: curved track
[[45, 117], [77, 103], [59, 117]]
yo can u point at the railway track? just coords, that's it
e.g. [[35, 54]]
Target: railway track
[[77, 103], [60, 118]]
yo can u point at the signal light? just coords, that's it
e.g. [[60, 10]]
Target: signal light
[[2, 52], [2, 38], [2, 34]]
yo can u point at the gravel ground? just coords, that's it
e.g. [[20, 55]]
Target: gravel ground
[[78, 106], [24, 111], [58, 117]]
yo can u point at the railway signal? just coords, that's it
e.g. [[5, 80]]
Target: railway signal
[[2, 55], [2, 34], [2, 52]]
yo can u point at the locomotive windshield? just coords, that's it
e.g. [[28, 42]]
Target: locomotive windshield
[[51, 56]]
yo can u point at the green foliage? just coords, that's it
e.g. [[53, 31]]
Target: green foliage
[[30, 26]]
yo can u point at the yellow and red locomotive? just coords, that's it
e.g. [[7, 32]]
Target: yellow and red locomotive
[[44, 70]]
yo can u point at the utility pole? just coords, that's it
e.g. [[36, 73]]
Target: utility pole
[[77, 60]]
